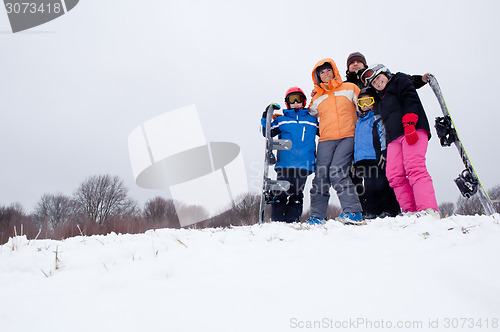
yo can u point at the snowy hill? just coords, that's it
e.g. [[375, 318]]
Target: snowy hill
[[396, 272]]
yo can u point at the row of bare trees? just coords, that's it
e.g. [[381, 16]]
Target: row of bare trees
[[470, 206], [101, 204], [98, 199]]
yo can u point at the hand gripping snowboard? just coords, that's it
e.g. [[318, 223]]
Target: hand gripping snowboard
[[468, 181], [270, 188]]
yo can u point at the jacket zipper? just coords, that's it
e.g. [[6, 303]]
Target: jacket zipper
[[303, 133]]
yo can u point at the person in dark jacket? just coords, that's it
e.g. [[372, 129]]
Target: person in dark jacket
[[408, 132], [376, 196], [356, 64], [296, 164]]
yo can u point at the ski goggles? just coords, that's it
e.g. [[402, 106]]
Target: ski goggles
[[295, 98], [367, 76], [366, 102]]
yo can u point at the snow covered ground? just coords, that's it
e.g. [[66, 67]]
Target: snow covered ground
[[397, 274]]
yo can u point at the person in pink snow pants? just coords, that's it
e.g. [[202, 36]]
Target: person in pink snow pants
[[408, 132]]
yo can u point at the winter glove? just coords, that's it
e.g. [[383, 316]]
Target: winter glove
[[409, 121], [274, 106]]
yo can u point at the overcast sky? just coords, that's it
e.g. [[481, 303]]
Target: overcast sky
[[72, 90]]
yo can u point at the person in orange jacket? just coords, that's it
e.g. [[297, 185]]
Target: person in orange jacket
[[334, 103]]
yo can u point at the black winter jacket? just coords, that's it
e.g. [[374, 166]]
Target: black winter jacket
[[355, 77], [397, 99]]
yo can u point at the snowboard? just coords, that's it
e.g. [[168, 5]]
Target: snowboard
[[271, 188], [468, 181]]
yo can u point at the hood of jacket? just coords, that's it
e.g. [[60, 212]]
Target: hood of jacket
[[330, 85]]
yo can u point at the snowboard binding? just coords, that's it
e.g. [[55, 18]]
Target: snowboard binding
[[269, 197], [466, 183], [445, 131], [273, 189]]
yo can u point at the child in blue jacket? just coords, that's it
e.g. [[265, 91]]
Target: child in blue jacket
[[296, 164], [376, 196]]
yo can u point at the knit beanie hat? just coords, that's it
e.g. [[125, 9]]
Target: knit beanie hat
[[356, 56]]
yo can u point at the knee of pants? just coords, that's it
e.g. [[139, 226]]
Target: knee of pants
[[341, 180], [321, 188], [398, 181], [339, 171], [321, 171], [417, 171], [395, 173]]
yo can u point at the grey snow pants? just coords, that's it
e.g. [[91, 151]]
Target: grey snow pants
[[333, 163]]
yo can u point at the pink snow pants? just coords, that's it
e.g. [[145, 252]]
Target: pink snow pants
[[408, 175]]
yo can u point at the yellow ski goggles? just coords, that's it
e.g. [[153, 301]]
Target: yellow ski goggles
[[366, 102]]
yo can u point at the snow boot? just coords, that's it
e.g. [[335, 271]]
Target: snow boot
[[351, 218], [315, 221]]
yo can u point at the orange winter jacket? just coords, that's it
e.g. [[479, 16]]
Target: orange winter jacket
[[335, 105]]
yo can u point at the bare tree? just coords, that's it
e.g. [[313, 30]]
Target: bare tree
[[472, 206], [494, 194], [246, 212], [55, 209], [192, 213], [161, 211], [446, 209], [14, 221], [469, 206], [103, 197]]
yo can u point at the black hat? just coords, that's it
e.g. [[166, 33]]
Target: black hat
[[356, 56], [368, 90]]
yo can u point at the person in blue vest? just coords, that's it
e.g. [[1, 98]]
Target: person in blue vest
[[296, 164], [370, 149]]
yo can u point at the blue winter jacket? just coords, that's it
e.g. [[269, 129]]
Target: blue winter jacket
[[369, 142], [301, 128]]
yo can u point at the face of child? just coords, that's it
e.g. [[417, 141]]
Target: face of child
[[326, 75], [380, 82], [365, 108], [296, 105], [355, 66]]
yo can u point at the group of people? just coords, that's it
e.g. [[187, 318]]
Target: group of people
[[373, 135]]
